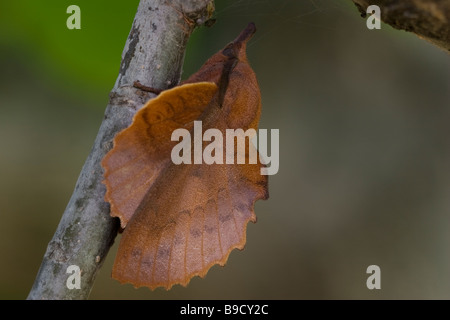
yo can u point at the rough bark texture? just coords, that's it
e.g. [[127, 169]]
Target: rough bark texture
[[429, 19], [153, 54]]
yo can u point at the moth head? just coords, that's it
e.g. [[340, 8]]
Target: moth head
[[237, 48]]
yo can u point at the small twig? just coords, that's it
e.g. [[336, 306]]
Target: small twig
[[139, 85]]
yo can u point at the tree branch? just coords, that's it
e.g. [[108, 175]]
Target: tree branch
[[153, 55], [429, 19]]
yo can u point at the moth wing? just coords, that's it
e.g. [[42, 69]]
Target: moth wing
[[143, 149], [189, 222]]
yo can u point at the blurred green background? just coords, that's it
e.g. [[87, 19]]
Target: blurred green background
[[364, 151]]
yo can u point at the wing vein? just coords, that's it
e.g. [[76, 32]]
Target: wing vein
[[186, 245], [170, 253], [135, 190], [218, 229], [156, 255], [127, 163], [131, 177], [232, 210], [203, 239]]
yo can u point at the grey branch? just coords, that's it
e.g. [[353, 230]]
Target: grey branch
[[429, 19], [153, 55]]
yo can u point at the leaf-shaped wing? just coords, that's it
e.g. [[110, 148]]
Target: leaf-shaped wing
[[182, 219], [191, 219], [143, 149]]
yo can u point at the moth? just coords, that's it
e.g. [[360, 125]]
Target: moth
[[179, 220]]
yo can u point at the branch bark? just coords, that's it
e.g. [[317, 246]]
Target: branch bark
[[429, 19], [153, 55]]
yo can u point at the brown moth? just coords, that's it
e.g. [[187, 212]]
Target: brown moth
[[180, 220]]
